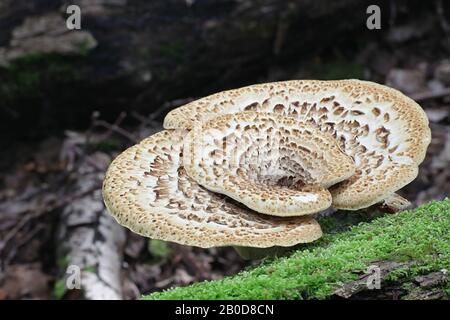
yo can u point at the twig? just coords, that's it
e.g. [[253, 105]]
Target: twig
[[48, 208], [117, 129], [393, 13], [111, 127], [281, 31], [94, 117], [169, 105], [431, 94], [31, 235], [140, 118], [114, 127], [349, 289], [145, 121], [442, 20]]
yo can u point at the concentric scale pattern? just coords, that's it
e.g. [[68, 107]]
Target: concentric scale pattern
[[147, 190], [229, 162], [385, 132], [273, 164]]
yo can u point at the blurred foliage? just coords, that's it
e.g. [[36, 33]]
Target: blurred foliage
[[91, 269], [63, 262], [338, 69], [29, 76], [59, 288], [160, 250], [107, 145]]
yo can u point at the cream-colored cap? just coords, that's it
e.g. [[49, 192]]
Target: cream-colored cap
[[273, 164], [147, 190], [384, 131]]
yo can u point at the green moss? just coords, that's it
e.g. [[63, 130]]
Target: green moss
[[63, 261], [447, 290], [159, 249], [59, 289], [91, 269], [29, 76], [84, 47], [421, 235]]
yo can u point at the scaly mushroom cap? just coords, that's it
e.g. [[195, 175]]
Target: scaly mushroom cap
[[385, 132], [147, 190], [272, 164]]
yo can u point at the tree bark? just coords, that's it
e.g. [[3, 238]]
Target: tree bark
[[427, 287], [89, 238]]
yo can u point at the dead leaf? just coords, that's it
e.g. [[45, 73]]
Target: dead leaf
[[26, 281]]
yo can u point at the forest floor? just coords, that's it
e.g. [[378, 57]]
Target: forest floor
[[31, 203], [36, 179]]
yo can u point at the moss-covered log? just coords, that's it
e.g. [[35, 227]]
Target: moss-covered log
[[408, 247]]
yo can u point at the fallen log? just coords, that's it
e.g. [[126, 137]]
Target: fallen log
[[90, 242], [391, 257]]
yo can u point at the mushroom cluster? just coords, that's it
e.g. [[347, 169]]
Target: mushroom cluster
[[249, 167]]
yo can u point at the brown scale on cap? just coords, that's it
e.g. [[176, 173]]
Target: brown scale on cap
[[385, 132], [271, 163], [147, 190]]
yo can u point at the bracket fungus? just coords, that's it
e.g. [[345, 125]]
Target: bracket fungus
[[384, 131], [270, 163], [147, 190], [248, 167]]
